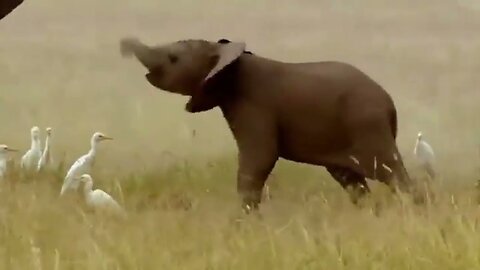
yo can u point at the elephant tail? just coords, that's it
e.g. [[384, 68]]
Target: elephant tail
[[394, 123]]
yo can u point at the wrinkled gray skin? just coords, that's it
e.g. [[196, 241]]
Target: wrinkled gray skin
[[7, 6], [323, 113]]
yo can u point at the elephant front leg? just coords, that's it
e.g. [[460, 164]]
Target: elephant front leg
[[255, 131], [253, 171]]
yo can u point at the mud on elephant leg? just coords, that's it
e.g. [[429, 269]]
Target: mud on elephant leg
[[354, 183]]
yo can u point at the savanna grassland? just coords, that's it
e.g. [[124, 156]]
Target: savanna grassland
[[60, 66]]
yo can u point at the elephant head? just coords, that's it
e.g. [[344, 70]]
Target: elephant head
[[185, 67], [7, 6]]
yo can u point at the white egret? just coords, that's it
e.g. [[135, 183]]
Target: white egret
[[46, 159], [4, 150], [84, 164], [99, 199], [31, 157], [423, 151]]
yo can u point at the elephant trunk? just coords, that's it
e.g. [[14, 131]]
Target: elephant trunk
[[144, 54]]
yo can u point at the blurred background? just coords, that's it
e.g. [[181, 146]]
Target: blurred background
[[61, 67]]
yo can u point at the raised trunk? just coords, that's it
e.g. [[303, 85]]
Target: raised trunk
[[144, 54]]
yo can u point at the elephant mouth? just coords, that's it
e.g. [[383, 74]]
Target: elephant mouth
[[157, 79], [189, 105], [153, 77]]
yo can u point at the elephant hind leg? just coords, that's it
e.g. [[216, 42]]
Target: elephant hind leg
[[354, 183], [379, 159], [391, 170]]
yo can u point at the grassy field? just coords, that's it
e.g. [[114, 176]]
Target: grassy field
[[60, 66]]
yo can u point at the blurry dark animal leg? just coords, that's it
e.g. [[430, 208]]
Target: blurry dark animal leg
[[252, 174], [254, 168], [354, 183], [257, 154], [391, 171], [404, 181], [375, 147]]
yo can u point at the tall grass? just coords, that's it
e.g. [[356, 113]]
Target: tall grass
[[185, 217], [60, 67]]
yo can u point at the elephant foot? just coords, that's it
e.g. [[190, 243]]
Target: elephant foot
[[250, 201], [354, 183], [251, 212], [249, 208], [357, 191]]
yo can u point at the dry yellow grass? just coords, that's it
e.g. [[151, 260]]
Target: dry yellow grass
[[60, 66]]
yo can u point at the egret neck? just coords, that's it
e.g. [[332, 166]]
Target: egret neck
[[93, 148], [3, 164], [36, 144]]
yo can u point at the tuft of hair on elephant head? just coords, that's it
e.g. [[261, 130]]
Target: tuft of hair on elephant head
[[7, 6], [324, 113]]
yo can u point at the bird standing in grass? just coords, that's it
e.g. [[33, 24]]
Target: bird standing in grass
[[46, 158], [423, 151], [31, 157], [99, 199], [4, 150], [84, 164]]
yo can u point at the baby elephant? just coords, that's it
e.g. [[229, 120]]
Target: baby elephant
[[323, 113]]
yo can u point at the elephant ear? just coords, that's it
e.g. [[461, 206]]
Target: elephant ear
[[7, 6], [227, 53]]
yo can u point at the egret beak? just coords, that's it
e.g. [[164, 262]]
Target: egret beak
[[107, 138], [12, 150]]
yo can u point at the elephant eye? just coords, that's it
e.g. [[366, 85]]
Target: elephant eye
[[172, 58]]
